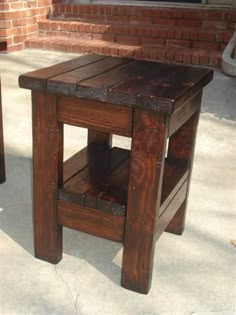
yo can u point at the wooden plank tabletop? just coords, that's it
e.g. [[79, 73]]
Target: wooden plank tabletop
[[150, 85]]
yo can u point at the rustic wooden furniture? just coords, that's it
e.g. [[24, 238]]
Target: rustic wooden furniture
[[2, 158], [125, 196]]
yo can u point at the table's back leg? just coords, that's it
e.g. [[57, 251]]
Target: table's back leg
[[144, 191], [100, 140], [181, 150], [47, 175], [2, 157]]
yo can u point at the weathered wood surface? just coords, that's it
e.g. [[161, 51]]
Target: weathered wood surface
[[2, 156], [121, 81]]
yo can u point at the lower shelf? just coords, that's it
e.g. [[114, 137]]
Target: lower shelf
[[94, 196]]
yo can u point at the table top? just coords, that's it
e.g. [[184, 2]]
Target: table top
[[135, 83]]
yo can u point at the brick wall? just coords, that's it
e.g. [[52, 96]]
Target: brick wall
[[18, 21]]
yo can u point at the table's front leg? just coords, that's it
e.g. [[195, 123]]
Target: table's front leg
[[144, 192], [47, 175]]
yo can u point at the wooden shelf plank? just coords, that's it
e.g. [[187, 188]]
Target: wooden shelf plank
[[100, 180], [97, 184]]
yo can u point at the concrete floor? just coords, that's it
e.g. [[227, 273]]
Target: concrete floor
[[193, 274]]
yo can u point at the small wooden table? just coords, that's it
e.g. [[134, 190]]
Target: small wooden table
[[125, 196], [2, 157]]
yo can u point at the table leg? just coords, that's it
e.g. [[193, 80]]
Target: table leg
[[181, 150], [144, 191], [47, 175], [101, 140], [2, 158]]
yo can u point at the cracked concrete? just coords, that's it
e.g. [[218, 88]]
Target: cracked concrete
[[69, 289], [193, 274]]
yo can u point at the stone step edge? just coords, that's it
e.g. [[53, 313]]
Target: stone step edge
[[154, 52]]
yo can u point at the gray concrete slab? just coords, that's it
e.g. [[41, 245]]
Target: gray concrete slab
[[193, 274]]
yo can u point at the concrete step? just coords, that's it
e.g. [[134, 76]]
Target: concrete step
[[145, 52]]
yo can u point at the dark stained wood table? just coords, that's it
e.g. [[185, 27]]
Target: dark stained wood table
[[128, 196], [2, 157]]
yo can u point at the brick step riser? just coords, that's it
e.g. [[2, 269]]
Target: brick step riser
[[139, 30], [178, 55], [137, 40], [149, 21], [156, 15], [138, 35]]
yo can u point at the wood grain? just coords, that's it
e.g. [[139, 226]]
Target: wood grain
[[144, 191], [91, 221], [100, 182], [38, 79], [47, 139], [181, 151], [95, 115], [149, 85]]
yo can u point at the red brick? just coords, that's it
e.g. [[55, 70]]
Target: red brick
[[189, 23], [16, 5], [147, 32], [214, 24], [163, 33], [219, 36], [195, 59], [227, 36], [178, 43], [4, 6], [5, 24], [141, 20], [127, 39], [206, 45], [178, 34], [170, 13], [189, 14], [117, 19], [204, 60], [215, 60], [113, 51], [18, 39], [161, 53], [170, 54], [152, 41], [179, 56], [153, 54], [186, 57], [171, 33], [162, 21], [194, 35]]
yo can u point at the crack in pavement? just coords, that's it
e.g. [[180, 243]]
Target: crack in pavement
[[70, 291]]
